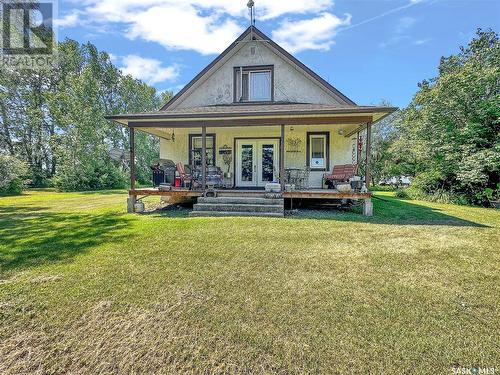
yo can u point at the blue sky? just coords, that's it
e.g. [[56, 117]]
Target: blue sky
[[369, 49]]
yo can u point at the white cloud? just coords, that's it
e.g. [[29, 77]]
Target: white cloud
[[178, 28], [71, 19], [148, 70], [269, 9], [315, 33], [205, 26]]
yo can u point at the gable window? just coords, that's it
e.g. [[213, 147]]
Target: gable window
[[254, 84], [318, 151], [195, 146]]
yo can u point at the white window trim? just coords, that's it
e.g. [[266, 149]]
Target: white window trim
[[324, 137], [239, 84], [250, 73]]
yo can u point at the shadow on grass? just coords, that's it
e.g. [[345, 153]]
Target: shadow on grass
[[33, 236], [103, 192], [389, 211]]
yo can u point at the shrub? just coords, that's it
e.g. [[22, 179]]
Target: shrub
[[401, 194], [12, 175], [92, 176]]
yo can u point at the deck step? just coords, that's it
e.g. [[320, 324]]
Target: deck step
[[241, 200], [239, 207], [234, 214]]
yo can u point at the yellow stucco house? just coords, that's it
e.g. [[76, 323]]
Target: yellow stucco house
[[257, 114]]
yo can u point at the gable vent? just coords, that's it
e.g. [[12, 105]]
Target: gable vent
[[253, 50]]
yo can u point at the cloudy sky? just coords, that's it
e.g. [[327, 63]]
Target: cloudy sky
[[369, 49]]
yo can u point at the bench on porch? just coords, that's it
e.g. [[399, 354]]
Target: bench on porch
[[340, 173]]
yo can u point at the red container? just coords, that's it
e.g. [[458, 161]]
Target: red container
[[177, 182]]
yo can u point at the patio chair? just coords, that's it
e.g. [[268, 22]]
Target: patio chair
[[340, 173], [303, 178], [186, 178]]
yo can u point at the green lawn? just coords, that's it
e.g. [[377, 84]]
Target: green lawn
[[87, 289]]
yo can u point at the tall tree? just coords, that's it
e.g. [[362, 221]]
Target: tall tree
[[55, 120], [449, 134]]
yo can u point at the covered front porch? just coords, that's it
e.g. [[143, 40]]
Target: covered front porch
[[290, 149]]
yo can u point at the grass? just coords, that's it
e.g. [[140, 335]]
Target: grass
[[86, 288]]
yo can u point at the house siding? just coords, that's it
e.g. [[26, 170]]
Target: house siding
[[340, 146], [290, 84]]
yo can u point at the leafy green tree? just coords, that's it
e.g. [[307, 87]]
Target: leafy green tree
[[12, 175], [55, 121], [449, 135]]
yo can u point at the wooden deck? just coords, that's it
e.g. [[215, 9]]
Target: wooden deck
[[297, 194]]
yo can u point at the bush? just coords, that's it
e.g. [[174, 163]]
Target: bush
[[401, 194], [12, 175], [438, 196], [90, 177]]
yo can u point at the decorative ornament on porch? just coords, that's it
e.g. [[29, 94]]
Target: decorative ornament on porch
[[227, 156], [293, 144]]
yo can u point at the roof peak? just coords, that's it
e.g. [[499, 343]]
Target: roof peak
[[255, 31]]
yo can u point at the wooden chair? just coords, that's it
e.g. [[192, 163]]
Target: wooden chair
[[340, 173]]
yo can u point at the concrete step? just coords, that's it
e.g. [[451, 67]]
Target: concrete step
[[258, 208], [234, 214], [241, 200]]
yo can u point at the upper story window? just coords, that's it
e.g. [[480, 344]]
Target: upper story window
[[254, 84]]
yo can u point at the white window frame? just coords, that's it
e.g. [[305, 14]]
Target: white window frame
[[312, 165], [248, 71], [269, 76]]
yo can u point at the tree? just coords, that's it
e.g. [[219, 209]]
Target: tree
[[55, 121], [449, 134]]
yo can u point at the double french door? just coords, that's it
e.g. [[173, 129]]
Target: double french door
[[257, 162]]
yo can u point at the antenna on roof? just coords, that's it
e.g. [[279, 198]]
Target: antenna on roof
[[251, 7]]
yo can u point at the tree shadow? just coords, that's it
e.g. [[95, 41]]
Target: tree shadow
[[388, 211], [34, 236]]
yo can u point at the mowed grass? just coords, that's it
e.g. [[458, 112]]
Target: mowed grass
[[87, 289]]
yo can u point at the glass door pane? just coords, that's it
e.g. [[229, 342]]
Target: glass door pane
[[247, 165], [267, 174]]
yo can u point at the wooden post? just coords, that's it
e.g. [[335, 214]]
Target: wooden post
[[368, 207], [132, 198], [368, 176], [282, 158], [132, 158], [204, 157], [358, 150]]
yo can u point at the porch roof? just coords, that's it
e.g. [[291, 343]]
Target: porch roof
[[255, 115]]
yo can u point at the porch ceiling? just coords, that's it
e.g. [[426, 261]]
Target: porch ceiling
[[243, 115]]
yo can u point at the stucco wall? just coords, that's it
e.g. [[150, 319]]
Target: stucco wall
[[340, 146], [291, 85]]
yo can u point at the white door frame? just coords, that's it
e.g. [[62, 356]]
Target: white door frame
[[257, 160]]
